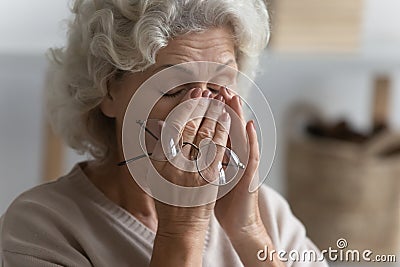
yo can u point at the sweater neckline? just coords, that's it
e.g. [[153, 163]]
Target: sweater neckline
[[117, 213]]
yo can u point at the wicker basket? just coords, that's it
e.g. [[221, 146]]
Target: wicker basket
[[345, 190]]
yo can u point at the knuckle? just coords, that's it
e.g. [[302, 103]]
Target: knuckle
[[221, 141], [190, 128], [223, 128], [175, 125], [205, 132], [220, 149]]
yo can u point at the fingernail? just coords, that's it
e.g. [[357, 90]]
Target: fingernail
[[220, 98], [196, 93], [228, 91], [252, 125], [225, 117], [206, 93]]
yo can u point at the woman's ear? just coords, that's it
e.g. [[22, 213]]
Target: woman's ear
[[108, 104]]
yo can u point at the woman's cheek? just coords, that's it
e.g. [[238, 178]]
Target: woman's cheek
[[163, 108]]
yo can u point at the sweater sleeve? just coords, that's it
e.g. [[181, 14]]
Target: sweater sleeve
[[32, 234], [16, 259], [286, 231]]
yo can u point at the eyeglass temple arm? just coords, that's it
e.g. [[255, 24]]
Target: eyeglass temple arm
[[147, 129], [125, 162]]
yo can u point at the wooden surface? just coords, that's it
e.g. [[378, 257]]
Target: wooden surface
[[380, 115], [316, 26], [53, 155]]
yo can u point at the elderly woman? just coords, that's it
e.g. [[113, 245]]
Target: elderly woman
[[97, 215]]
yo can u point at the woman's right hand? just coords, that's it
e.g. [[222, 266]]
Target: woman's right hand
[[183, 229]]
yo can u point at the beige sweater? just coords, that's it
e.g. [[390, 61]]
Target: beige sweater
[[69, 222]]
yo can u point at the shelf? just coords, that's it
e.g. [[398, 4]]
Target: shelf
[[376, 62]]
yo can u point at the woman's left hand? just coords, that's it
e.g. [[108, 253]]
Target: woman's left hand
[[238, 212]]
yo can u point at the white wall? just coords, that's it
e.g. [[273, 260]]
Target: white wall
[[20, 120], [381, 28], [341, 86], [30, 26], [27, 29]]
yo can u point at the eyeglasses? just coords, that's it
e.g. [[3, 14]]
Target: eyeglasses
[[203, 155]]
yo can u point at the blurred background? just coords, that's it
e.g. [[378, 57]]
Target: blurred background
[[331, 75]]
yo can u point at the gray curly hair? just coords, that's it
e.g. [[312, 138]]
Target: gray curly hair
[[106, 37]]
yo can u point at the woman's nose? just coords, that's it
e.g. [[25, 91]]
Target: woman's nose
[[203, 86], [206, 90]]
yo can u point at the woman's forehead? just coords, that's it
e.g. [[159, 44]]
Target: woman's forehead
[[213, 45]]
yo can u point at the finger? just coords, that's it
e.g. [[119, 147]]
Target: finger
[[179, 116], [192, 93], [254, 158], [207, 127], [222, 129], [236, 105], [212, 152], [193, 124], [226, 93], [238, 133]]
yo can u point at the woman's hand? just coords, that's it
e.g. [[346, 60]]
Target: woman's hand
[[181, 230], [238, 212]]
